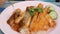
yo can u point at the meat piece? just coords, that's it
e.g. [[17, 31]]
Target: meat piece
[[16, 20], [52, 24], [27, 9], [40, 5], [33, 26], [18, 16], [27, 19], [15, 27], [10, 21]]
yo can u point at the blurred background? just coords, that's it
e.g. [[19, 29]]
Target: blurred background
[[5, 3], [38, 0]]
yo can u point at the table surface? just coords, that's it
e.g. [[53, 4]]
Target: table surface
[[8, 3]]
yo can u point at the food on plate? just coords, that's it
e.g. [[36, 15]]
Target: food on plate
[[34, 19], [16, 20], [53, 13], [50, 7]]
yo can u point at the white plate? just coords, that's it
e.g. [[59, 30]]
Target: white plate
[[9, 10]]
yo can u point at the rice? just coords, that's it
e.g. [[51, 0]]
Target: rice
[[41, 32], [24, 31]]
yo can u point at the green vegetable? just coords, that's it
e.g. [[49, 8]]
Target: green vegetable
[[39, 9], [53, 14], [31, 11], [52, 10], [50, 7]]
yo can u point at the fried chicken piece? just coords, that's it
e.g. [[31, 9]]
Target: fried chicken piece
[[18, 16], [33, 26], [27, 20], [40, 5], [53, 24], [16, 20]]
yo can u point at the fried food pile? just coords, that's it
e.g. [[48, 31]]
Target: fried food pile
[[34, 18]]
